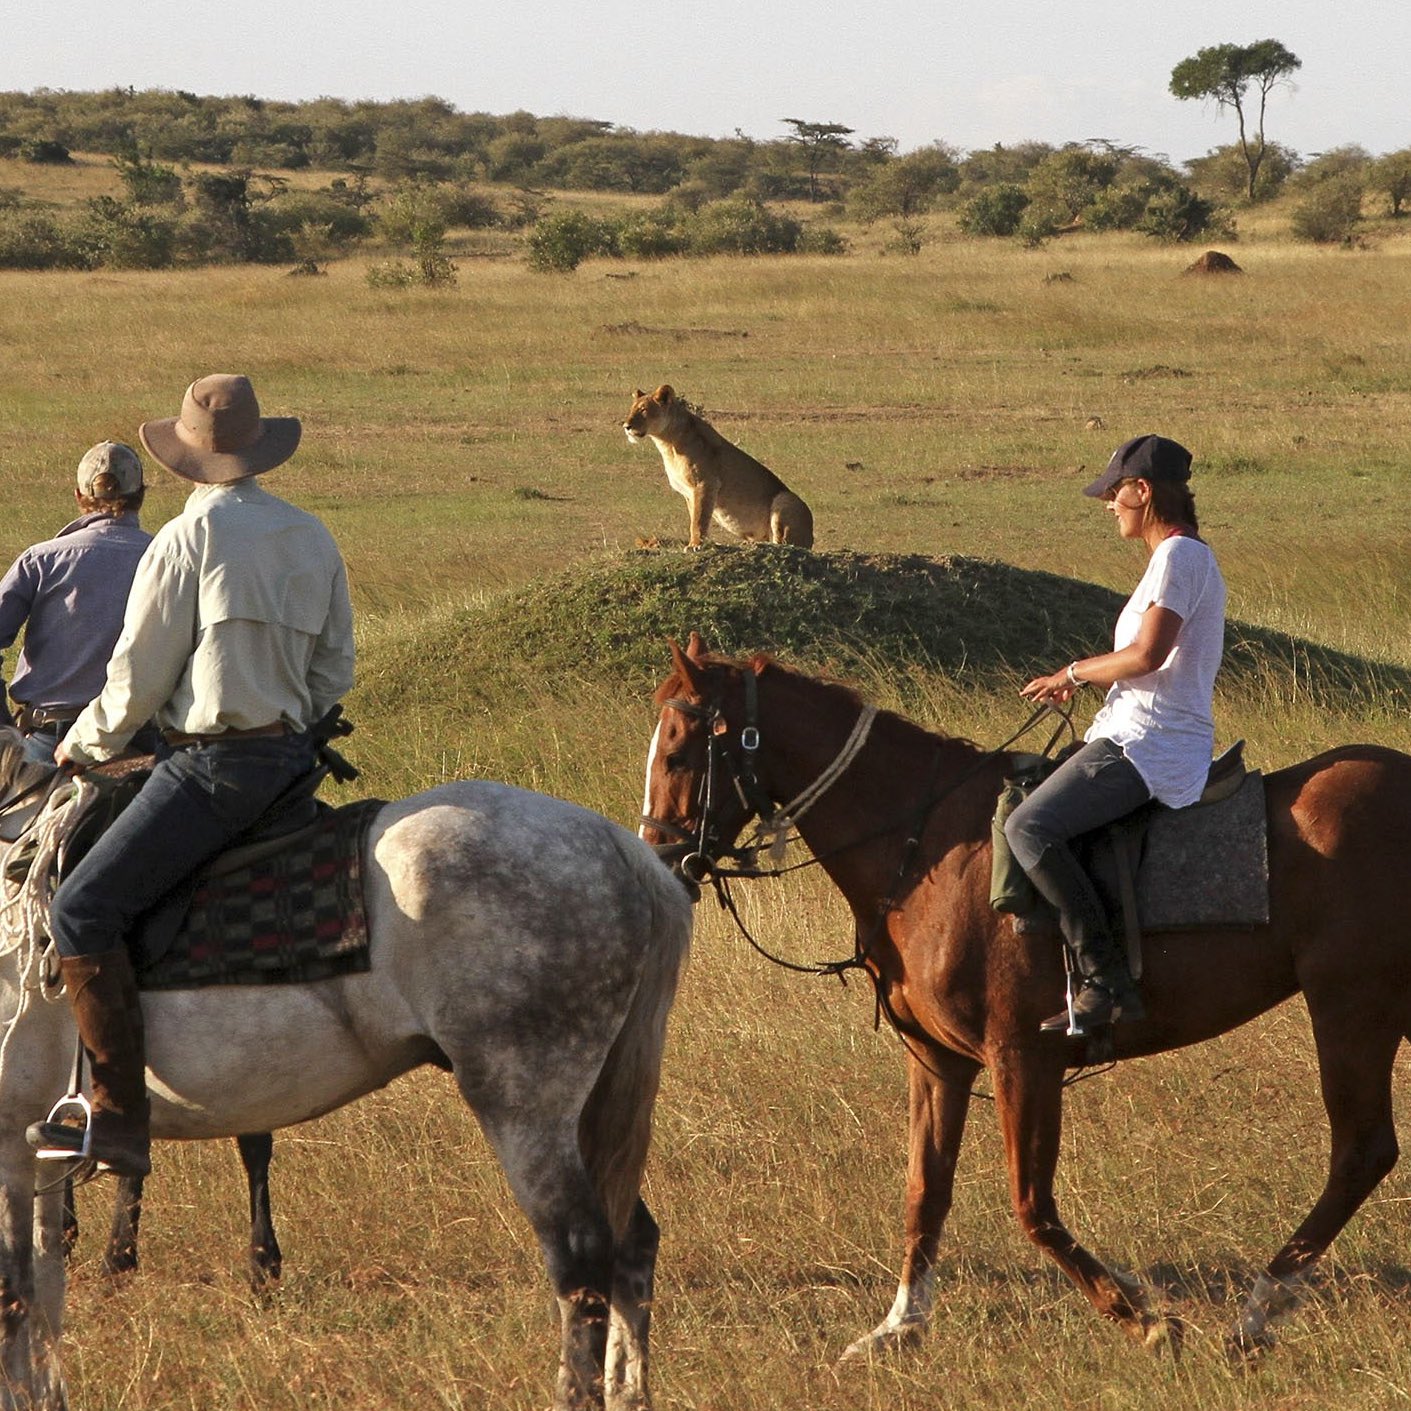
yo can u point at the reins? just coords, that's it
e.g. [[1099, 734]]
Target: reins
[[915, 822], [775, 824]]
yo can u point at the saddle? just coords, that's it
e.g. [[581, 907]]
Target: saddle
[[286, 909], [283, 903], [1159, 868]]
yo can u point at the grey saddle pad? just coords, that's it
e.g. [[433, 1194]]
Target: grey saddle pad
[[1206, 865]]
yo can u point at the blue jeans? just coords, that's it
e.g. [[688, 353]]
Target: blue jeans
[[196, 801]]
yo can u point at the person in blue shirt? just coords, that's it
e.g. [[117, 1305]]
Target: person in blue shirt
[[68, 595]]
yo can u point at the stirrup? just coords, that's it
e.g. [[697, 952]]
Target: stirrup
[[1075, 1029], [40, 1134]]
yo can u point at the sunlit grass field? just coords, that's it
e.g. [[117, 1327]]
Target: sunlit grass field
[[462, 444]]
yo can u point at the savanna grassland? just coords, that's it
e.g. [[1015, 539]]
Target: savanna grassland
[[465, 446]]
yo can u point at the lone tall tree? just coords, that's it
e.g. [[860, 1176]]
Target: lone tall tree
[[819, 140], [1226, 73]]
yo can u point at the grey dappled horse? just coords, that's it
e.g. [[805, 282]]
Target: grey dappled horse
[[529, 946]]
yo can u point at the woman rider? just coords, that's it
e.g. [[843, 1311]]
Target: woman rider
[[1154, 734]]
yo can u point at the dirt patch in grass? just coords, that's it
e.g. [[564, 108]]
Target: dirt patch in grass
[[633, 329]]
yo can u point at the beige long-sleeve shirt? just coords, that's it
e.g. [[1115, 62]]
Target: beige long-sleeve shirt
[[238, 617]]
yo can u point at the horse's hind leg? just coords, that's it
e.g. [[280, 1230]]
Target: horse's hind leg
[[550, 1181], [634, 1272], [1355, 1058], [578, 1247]]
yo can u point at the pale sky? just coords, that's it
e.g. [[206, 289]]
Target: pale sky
[[917, 70]]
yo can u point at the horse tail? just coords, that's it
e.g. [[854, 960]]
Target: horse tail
[[614, 1130]]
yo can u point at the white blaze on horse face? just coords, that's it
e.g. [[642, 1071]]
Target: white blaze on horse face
[[647, 794]]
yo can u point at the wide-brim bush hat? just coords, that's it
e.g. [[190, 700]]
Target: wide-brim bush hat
[[220, 435], [1143, 458]]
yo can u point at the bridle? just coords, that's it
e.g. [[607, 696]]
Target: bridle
[[702, 863], [706, 850], [705, 845]]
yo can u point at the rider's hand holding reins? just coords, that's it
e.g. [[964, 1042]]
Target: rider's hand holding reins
[[67, 764], [1057, 688]]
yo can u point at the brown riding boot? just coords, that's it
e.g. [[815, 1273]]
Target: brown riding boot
[[108, 1010]]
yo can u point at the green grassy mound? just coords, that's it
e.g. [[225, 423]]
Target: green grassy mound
[[846, 613]]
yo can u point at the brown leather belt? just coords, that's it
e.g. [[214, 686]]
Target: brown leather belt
[[30, 718], [176, 740]]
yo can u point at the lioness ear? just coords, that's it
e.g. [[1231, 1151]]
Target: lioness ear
[[639, 393], [663, 394]]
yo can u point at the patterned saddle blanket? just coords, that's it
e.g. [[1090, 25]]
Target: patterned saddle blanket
[[283, 910]]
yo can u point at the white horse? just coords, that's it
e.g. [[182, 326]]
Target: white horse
[[529, 946]]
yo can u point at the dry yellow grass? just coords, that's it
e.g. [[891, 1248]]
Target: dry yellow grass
[[466, 441]]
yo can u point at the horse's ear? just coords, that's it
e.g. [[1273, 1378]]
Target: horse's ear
[[696, 647], [686, 668], [664, 394]]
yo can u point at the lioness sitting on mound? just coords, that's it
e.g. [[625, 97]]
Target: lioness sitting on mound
[[717, 478]]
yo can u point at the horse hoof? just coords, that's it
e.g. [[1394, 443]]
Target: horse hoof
[[884, 1341], [120, 1259], [1165, 1336], [1247, 1350]]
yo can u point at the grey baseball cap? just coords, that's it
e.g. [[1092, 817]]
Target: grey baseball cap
[[119, 463], [1143, 458]]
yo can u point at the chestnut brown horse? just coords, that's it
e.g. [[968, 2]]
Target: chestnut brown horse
[[899, 818]]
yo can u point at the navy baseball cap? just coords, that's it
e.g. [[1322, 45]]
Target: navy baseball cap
[[1143, 458]]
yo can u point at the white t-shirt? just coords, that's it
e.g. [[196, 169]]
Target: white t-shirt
[[1164, 720]]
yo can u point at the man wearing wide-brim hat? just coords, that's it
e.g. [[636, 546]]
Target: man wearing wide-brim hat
[[237, 638]]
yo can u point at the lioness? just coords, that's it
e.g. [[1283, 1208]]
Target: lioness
[[717, 478]]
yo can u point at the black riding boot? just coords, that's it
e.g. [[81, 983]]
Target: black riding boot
[[1106, 991]]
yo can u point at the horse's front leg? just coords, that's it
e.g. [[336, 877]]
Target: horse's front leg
[[940, 1085], [31, 1298], [266, 1260], [50, 1253], [16, 1282], [1029, 1103]]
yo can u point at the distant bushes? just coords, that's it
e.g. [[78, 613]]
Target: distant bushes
[[734, 226], [44, 151], [1328, 214], [37, 240], [996, 210], [1079, 188]]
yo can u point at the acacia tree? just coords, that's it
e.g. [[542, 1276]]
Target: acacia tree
[[819, 141], [1227, 73]]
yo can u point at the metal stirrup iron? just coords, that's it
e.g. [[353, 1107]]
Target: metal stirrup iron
[[72, 1104]]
